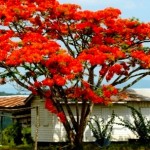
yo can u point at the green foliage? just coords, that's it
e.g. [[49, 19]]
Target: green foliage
[[26, 136], [140, 126], [16, 135], [102, 130], [86, 146], [99, 91], [20, 147], [11, 135]]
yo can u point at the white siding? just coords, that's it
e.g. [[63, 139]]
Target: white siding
[[51, 130], [146, 112], [119, 133]]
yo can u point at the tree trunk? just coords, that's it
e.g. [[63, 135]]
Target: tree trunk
[[77, 142], [78, 145], [75, 136]]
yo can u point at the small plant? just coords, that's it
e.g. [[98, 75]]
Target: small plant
[[11, 135], [140, 125], [102, 130], [15, 134], [26, 136]]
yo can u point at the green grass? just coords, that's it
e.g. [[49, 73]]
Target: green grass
[[21, 147], [87, 146], [119, 146]]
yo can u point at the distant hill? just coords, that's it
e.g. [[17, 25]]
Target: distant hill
[[7, 94]]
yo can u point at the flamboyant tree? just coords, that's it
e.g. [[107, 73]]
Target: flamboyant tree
[[66, 54]]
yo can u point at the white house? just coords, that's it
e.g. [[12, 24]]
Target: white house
[[49, 129]]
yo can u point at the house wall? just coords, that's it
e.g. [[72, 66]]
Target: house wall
[[51, 130]]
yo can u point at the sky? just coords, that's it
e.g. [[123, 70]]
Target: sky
[[130, 8]]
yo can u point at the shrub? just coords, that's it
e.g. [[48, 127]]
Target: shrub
[[102, 131], [26, 136], [11, 135], [140, 126], [16, 135]]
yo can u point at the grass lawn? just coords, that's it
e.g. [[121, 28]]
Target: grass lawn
[[21, 147], [87, 146]]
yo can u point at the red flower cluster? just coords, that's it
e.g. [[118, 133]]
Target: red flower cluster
[[118, 69], [49, 105], [142, 57], [99, 55], [108, 91], [86, 93], [62, 117]]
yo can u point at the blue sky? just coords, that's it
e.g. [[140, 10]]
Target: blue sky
[[130, 8]]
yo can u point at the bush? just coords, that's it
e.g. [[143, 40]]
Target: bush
[[12, 135], [16, 135], [102, 131], [140, 126], [26, 136]]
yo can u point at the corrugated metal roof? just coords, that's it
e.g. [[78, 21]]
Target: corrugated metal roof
[[13, 101]]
